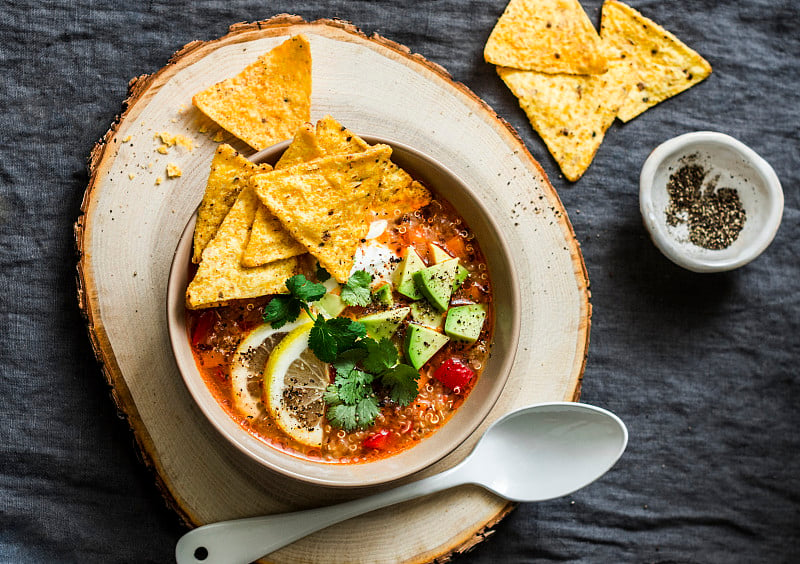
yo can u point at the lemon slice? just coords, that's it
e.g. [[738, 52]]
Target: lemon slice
[[295, 380], [247, 366]]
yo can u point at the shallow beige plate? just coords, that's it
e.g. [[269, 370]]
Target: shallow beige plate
[[431, 449]]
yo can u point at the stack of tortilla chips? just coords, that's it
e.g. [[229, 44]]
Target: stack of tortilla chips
[[572, 82], [257, 226]]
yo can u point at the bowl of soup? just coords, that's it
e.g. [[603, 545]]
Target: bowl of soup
[[364, 380]]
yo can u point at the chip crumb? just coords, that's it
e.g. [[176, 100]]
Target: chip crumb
[[170, 140], [162, 149], [126, 139], [131, 175], [159, 180], [219, 137], [150, 164], [203, 128], [173, 170]]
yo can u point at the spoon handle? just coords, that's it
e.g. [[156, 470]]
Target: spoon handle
[[244, 540]]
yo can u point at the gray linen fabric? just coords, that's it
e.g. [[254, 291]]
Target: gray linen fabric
[[703, 368]]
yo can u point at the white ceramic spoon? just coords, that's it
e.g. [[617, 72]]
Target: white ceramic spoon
[[535, 453]]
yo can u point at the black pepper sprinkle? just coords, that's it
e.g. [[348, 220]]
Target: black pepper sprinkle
[[715, 215]]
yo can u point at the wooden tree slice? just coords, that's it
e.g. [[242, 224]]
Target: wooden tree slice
[[130, 227]]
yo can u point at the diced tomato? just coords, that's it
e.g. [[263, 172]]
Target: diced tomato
[[456, 246], [203, 327], [379, 440], [454, 374]]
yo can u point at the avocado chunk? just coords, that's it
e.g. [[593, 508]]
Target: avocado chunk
[[330, 305], [422, 343], [436, 282], [464, 323], [405, 282], [382, 325], [425, 314], [461, 275], [437, 254], [383, 295]]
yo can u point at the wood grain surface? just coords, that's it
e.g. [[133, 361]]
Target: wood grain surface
[[133, 215]]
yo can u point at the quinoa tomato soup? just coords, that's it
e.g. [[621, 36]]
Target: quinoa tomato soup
[[429, 295]]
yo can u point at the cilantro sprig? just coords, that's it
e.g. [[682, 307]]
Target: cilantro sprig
[[356, 291], [363, 365], [351, 399], [284, 309]]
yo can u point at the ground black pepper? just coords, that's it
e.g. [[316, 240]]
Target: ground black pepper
[[715, 215]]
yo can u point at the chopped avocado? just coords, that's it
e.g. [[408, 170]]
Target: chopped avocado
[[422, 343], [330, 305], [464, 323], [405, 281], [425, 314], [461, 275], [437, 254], [436, 282], [383, 325], [383, 295]]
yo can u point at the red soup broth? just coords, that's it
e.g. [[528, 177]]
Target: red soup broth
[[215, 333]]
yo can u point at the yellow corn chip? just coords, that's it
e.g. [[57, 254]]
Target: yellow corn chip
[[326, 203], [334, 138], [571, 113], [268, 239], [221, 277], [229, 174], [398, 194], [303, 148], [662, 65], [266, 102], [552, 36]]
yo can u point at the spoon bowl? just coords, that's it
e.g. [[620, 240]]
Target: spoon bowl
[[547, 450], [535, 453]]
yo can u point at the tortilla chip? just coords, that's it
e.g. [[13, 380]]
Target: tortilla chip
[[552, 36], [326, 203], [266, 102], [303, 148], [268, 239], [334, 138], [663, 65], [221, 278], [398, 194], [229, 174], [571, 113]]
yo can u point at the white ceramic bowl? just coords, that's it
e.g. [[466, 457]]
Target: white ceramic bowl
[[465, 420], [738, 167]]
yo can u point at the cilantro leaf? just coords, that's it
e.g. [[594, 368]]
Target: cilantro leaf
[[322, 274], [402, 383], [343, 416], [381, 355], [349, 417], [331, 395], [321, 340], [280, 310], [358, 329], [330, 337], [356, 291], [304, 290], [353, 388], [366, 411], [347, 360]]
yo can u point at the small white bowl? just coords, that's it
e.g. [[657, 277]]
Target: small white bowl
[[737, 167]]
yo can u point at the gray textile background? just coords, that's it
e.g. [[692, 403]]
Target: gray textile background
[[703, 368]]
